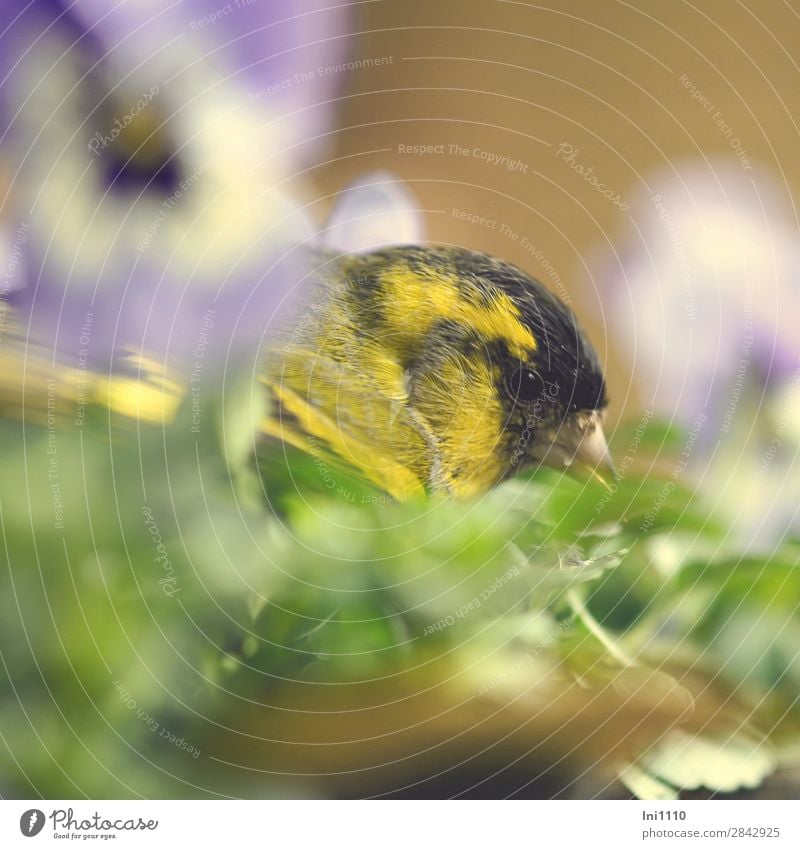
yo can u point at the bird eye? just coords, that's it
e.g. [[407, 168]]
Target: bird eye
[[526, 385]]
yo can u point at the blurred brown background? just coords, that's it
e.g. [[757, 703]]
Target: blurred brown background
[[518, 80]]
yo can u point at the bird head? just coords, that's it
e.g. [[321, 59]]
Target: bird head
[[497, 366]]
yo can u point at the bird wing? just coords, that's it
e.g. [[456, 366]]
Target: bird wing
[[333, 409]]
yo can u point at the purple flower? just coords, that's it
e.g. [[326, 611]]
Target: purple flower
[[153, 151], [703, 300], [700, 296], [285, 56]]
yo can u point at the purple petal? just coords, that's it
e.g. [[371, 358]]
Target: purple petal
[[283, 56], [139, 248], [702, 293], [374, 211]]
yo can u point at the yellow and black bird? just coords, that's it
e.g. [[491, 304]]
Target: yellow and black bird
[[435, 369], [422, 368]]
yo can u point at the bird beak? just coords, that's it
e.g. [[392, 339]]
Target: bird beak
[[592, 456], [580, 448]]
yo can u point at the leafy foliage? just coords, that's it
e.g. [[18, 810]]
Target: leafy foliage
[[182, 628]]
